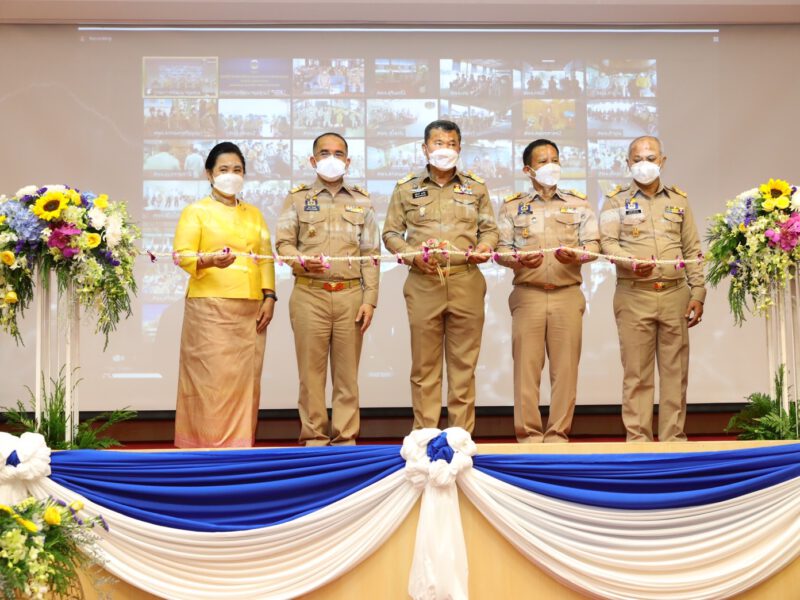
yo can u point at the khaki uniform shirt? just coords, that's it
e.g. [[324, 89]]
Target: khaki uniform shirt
[[314, 222], [528, 222], [459, 212], [631, 224]]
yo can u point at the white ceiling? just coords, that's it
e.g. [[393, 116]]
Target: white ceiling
[[398, 12]]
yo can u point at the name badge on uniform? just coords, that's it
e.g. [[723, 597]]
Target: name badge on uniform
[[311, 205], [674, 210], [632, 208], [463, 189], [353, 208], [569, 210], [524, 209], [420, 192]]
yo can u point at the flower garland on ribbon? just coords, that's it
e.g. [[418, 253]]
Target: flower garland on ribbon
[[85, 239], [445, 253], [755, 243]]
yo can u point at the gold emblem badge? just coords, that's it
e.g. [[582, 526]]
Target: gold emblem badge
[[635, 232]]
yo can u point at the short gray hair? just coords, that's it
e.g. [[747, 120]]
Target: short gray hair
[[647, 137]]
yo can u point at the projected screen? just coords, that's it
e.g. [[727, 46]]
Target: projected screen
[[142, 110]]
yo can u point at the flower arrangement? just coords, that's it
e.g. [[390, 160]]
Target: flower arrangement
[[755, 242], [42, 544], [83, 238]]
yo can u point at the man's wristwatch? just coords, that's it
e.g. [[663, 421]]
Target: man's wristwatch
[[272, 295]]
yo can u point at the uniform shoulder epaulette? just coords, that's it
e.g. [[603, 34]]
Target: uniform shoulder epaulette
[[677, 190], [474, 177], [577, 194], [406, 179], [617, 190], [361, 190], [299, 188], [512, 197]]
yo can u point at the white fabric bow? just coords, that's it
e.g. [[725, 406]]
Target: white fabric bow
[[34, 463], [439, 568]]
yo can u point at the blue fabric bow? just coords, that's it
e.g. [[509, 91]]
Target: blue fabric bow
[[439, 449]]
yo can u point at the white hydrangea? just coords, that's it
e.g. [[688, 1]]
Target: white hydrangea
[[748, 195], [26, 191], [113, 230], [55, 188], [795, 203], [97, 218]]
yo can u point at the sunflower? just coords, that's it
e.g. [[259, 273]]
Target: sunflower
[[49, 206], [775, 188]]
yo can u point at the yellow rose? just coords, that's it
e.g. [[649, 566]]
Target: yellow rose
[[768, 205], [93, 240], [782, 202], [101, 201], [29, 525], [7, 258], [76, 505], [11, 297], [74, 196], [52, 516], [2, 219], [742, 228]]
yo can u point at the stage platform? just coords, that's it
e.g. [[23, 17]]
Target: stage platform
[[496, 569]]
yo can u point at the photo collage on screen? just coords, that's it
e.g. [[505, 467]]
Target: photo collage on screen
[[274, 107]]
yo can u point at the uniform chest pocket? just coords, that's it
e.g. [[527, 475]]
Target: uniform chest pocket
[[353, 223], [312, 228], [672, 225], [465, 209], [420, 210], [525, 233], [568, 227]]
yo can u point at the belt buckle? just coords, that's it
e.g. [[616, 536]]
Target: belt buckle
[[333, 287], [548, 286], [658, 286]]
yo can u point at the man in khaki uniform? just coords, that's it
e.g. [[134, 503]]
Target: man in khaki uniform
[[654, 305], [445, 314], [547, 304], [330, 308]]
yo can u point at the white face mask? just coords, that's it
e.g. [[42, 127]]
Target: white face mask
[[548, 175], [331, 168], [230, 184], [645, 172], [443, 159]]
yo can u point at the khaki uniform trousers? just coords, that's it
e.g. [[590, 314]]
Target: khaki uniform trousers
[[545, 322], [324, 325], [652, 326], [445, 320]]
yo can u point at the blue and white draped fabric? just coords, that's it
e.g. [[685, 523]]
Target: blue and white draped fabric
[[278, 523]]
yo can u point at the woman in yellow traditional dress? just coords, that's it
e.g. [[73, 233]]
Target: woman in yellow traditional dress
[[229, 303]]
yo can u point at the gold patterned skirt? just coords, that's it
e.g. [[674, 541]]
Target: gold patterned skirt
[[219, 378]]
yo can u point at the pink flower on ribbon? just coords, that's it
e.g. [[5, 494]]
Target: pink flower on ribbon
[[61, 238]]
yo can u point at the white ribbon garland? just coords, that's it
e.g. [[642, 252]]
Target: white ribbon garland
[[400, 257]]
